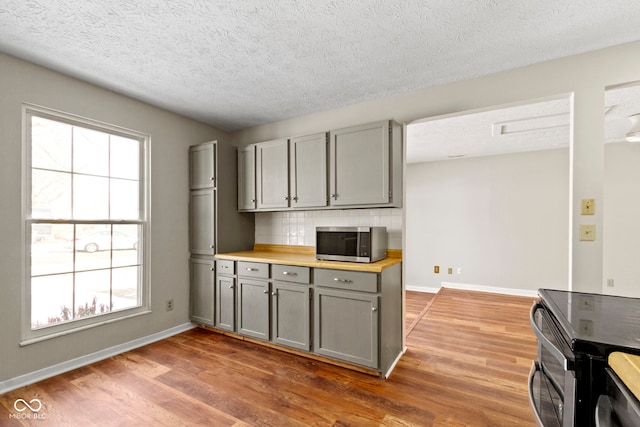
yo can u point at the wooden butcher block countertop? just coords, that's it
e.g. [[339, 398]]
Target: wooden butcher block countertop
[[627, 367], [305, 256]]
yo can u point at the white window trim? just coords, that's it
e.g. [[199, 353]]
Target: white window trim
[[29, 335]]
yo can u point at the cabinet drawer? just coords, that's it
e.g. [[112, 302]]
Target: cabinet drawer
[[253, 269], [289, 273], [350, 280], [226, 267]]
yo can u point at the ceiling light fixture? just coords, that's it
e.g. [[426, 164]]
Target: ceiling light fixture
[[634, 133]]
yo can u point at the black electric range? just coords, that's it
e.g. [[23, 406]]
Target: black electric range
[[594, 323], [576, 332]]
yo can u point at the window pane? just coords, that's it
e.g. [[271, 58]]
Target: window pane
[[124, 199], [50, 250], [125, 287], [50, 194], [93, 247], [125, 160], [51, 300], [50, 144], [93, 293], [90, 152], [90, 197], [126, 238]]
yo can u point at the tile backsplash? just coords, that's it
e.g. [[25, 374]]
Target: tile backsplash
[[299, 228]]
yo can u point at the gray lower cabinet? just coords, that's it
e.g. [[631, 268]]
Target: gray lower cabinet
[[253, 307], [350, 316], [202, 291], [346, 326], [225, 296]]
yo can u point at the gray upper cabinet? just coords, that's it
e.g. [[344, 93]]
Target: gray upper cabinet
[[247, 178], [272, 174], [202, 166], [202, 222], [308, 171], [360, 165]]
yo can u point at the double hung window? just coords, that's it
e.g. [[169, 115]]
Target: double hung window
[[86, 222]]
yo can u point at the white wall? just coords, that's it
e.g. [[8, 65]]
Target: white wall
[[503, 219], [621, 230], [298, 228], [583, 76], [170, 136]]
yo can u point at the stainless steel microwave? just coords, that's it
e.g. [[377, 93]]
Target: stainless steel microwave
[[355, 244]]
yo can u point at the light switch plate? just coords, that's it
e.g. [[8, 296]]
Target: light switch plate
[[588, 207]]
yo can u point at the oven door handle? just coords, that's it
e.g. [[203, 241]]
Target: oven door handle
[[535, 368], [543, 340]]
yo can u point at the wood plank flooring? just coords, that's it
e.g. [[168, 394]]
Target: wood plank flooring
[[466, 364]]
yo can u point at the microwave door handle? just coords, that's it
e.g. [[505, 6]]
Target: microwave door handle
[[544, 340]]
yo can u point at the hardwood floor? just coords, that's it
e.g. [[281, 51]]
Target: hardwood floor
[[466, 364]]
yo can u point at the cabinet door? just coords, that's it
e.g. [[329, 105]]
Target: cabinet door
[[253, 308], [308, 171], [226, 303], [202, 166], [202, 291], [272, 174], [346, 326], [359, 165], [247, 178], [202, 222], [290, 315]]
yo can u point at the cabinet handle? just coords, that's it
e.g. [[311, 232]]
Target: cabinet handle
[[224, 266], [289, 273], [274, 293], [251, 269], [335, 196], [230, 286], [253, 200], [212, 269], [374, 309], [211, 179], [295, 199], [265, 291], [342, 280], [211, 246], [286, 198]]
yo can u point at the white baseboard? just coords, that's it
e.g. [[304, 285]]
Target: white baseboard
[[60, 368], [492, 289], [422, 289]]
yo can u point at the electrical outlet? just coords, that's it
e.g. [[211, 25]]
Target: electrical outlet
[[450, 270], [170, 304], [610, 283], [436, 269], [459, 270]]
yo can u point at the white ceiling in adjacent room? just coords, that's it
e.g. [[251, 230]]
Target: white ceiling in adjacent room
[[534, 126], [240, 63]]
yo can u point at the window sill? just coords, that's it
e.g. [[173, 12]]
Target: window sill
[[29, 341]]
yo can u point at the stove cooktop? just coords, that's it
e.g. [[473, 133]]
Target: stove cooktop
[[594, 323]]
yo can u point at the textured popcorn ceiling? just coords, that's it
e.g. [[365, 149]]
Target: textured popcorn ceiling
[[240, 63]]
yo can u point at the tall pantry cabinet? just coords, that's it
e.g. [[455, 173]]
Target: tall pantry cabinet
[[215, 225]]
